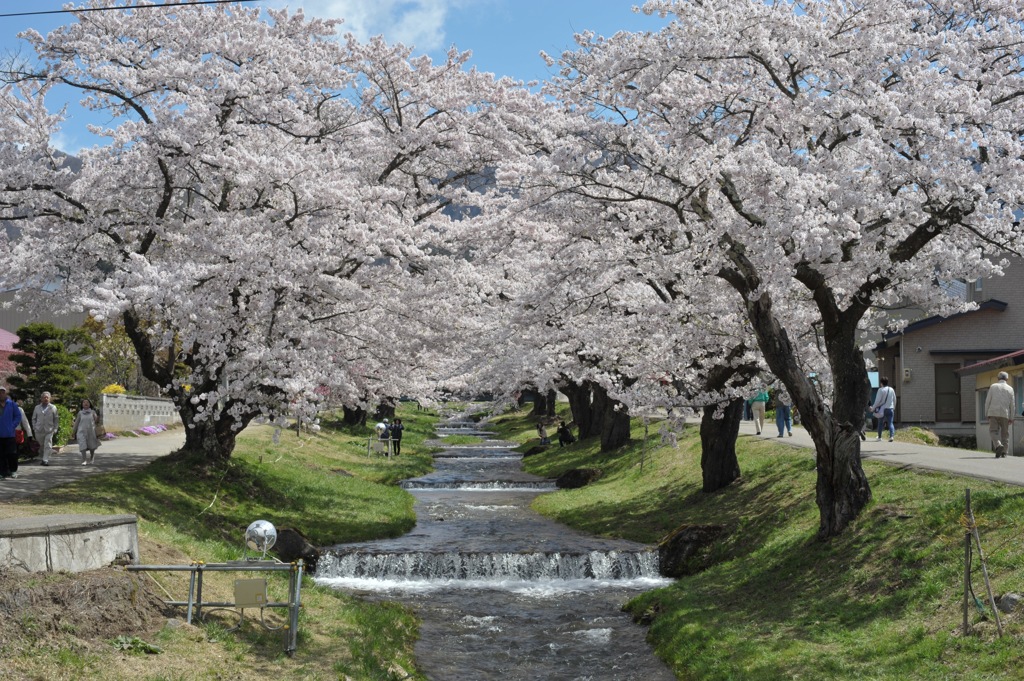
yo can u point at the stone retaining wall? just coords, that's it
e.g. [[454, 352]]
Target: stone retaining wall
[[69, 543], [128, 412]]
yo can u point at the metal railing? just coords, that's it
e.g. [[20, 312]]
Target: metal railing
[[194, 604], [375, 445]]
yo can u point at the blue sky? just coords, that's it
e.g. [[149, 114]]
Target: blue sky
[[505, 36]]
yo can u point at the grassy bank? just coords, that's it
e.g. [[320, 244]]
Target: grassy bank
[[324, 485], [883, 601]]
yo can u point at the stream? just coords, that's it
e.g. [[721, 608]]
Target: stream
[[502, 592]]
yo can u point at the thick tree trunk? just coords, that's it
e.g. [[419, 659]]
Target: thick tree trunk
[[385, 410], [610, 419], [599, 409], [353, 416], [212, 440], [718, 463], [615, 430], [842, 487], [552, 400], [580, 396], [540, 407]]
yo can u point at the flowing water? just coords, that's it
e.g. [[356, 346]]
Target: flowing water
[[502, 592]]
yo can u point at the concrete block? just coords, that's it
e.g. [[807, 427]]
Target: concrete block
[[69, 543]]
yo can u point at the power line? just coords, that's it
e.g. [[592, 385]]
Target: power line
[[124, 7]]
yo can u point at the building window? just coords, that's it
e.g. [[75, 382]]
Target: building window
[[982, 396], [955, 289]]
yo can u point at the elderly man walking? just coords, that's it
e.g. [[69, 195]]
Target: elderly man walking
[[999, 406], [45, 422]]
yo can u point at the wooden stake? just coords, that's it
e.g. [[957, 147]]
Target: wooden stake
[[984, 571]]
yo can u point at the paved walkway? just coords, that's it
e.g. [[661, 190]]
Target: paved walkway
[[127, 452], [112, 455], [971, 463]]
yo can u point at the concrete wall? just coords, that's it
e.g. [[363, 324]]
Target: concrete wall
[[68, 543], [128, 412]]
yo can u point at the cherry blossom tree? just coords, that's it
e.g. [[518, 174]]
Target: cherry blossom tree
[[264, 214], [856, 153], [616, 328]]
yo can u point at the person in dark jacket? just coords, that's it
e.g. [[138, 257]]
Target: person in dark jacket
[[396, 437], [565, 436], [10, 420]]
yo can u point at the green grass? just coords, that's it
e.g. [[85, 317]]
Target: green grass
[[883, 601], [324, 485]]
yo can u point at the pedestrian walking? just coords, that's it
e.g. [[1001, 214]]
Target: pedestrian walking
[[84, 429], [45, 421], [868, 415], [884, 409], [783, 412], [22, 437], [757, 405], [999, 404], [10, 420], [396, 436]]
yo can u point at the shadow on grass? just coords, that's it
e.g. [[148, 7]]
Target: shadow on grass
[[219, 504]]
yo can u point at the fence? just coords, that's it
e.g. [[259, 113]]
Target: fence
[[128, 412], [249, 593]]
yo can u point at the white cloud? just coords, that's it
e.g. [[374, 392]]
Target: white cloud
[[413, 22]]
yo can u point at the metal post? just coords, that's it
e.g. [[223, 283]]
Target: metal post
[[294, 589], [967, 572], [199, 593], [191, 595]]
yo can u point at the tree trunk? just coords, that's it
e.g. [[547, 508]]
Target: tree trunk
[[580, 405], [385, 410], [718, 463], [842, 487], [211, 440], [353, 416], [610, 419], [540, 407], [615, 429], [552, 401]]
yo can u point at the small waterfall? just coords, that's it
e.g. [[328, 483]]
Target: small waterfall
[[543, 485], [502, 592], [602, 565]]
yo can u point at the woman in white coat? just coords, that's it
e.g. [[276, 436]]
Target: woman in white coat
[[84, 429]]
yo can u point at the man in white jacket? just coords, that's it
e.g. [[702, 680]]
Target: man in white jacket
[[44, 423], [999, 407]]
